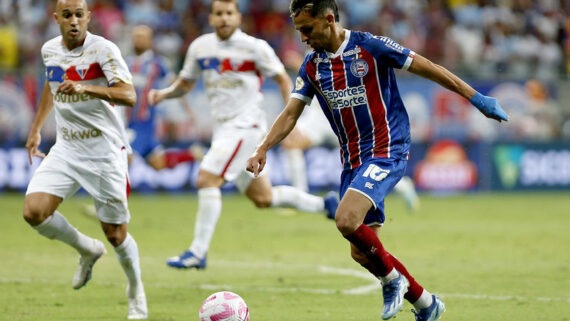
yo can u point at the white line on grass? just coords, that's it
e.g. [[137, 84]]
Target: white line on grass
[[372, 286]]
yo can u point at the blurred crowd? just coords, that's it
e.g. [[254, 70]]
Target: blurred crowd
[[484, 39]]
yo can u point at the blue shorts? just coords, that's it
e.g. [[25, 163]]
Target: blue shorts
[[374, 179], [144, 142]]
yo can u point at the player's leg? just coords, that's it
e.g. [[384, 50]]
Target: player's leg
[[420, 298], [209, 210], [295, 145], [407, 189], [362, 205], [51, 184], [262, 194], [170, 158], [110, 195], [127, 252]]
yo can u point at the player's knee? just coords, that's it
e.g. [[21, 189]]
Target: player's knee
[[34, 214], [156, 163], [115, 234], [262, 201], [345, 221]]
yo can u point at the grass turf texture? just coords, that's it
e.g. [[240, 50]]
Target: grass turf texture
[[491, 257]]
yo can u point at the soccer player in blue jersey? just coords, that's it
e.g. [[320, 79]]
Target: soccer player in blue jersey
[[351, 74], [150, 71]]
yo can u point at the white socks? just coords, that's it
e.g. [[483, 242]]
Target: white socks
[[390, 276], [209, 210], [58, 228], [128, 255], [297, 168], [288, 196], [424, 301]]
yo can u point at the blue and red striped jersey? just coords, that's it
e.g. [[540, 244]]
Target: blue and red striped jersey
[[149, 71], [356, 88]]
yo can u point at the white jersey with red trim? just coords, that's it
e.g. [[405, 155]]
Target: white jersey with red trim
[[87, 127], [233, 72]]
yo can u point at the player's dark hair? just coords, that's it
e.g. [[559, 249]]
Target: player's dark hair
[[229, 1], [314, 7]]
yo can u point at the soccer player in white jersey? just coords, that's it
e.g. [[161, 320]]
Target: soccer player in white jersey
[[86, 79], [233, 65], [312, 129]]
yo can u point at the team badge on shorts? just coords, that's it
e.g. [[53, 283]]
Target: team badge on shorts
[[359, 68]]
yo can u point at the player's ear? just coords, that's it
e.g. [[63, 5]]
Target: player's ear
[[330, 18]]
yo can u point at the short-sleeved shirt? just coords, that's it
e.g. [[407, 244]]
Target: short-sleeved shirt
[[356, 88], [87, 127], [150, 71], [233, 71]]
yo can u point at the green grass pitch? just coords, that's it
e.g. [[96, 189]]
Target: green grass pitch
[[492, 257]]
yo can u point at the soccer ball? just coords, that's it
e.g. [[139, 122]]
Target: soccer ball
[[224, 306]]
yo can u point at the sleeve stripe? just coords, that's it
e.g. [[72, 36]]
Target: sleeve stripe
[[306, 99], [409, 60]]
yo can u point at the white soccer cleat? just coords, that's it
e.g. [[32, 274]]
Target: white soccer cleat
[[86, 262], [137, 305]]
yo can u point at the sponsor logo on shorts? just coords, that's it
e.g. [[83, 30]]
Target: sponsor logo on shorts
[[114, 201], [376, 173], [70, 134]]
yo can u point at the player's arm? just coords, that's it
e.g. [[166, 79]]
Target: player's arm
[[285, 85], [119, 93], [427, 69], [279, 130], [179, 88], [35, 138]]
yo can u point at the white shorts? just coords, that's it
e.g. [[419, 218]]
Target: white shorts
[[105, 181], [229, 152]]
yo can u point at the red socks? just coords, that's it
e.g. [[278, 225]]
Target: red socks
[[366, 240], [382, 262], [176, 157]]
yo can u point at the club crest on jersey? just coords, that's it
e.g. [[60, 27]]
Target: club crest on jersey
[[359, 68], [299, 83], [82, 70]]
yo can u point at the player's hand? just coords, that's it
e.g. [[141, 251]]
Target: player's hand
[[489, 107], [70, 87], [154, 97], [32, 145], [256, 162]]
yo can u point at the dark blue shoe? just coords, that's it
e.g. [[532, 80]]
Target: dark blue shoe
[[431, 313], [331, 204], [187, 260], [393, 293]]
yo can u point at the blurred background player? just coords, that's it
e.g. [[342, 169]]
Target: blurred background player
[[151, 71], [312, 129], [352, 75], [86, 77], [232, 64]]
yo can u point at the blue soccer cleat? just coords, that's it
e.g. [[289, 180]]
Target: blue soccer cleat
[[393, 293], [331, 204], [187, 260], [431, 313]]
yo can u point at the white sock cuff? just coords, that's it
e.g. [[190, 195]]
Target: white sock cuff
[[128, 240], [210, 192], [46, 228]]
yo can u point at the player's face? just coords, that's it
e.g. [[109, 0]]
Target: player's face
[[73, 18], [225, 18], [315, 31], [142, 39]]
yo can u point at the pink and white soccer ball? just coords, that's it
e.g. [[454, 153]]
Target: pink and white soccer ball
[[224, 306]]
